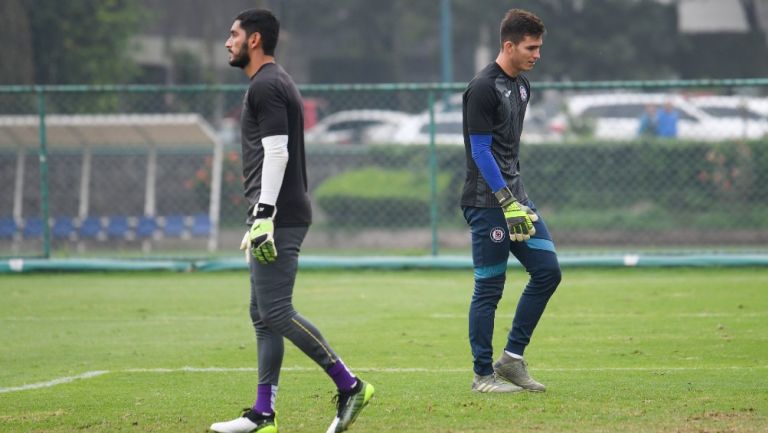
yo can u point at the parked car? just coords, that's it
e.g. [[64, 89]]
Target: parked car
[[542, 126], [449, 102], [733, 106], [356, 127], [538, 126], [617, 116], [416, 129]]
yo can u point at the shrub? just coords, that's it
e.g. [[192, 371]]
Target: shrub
[[373, 196]]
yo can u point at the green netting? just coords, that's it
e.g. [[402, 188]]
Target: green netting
[[154, 172]]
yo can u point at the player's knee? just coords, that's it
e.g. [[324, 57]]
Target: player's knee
[[262, 331], [277, 317], [549, 277], [489, 289], [255, 316], [269, 319]]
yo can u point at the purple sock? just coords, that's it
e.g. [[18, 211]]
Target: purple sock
[[265, 398], [342, 377]]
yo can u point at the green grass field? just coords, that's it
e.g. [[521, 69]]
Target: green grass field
[[630, 350]]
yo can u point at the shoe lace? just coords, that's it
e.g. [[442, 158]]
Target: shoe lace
[[254, 416], [496, 378], [340, 401]]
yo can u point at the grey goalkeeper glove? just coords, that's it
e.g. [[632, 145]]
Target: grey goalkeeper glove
[[519, 218], [259, 239]]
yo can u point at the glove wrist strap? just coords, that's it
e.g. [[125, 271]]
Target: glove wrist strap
[[504, 196], [263, 211]]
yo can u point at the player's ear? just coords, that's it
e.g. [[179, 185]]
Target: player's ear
[[254, 40]]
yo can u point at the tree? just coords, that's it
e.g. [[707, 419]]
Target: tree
[[366, 41], [399, 40], [588, 40], [81, 41], [15, 44]]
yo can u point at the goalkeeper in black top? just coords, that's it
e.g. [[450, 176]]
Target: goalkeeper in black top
[[278, 219], [501, 217]]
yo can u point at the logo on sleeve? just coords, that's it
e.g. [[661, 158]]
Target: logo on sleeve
[[523, 93], [497, 234]]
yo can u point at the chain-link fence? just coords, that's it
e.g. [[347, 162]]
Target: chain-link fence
[[144, 170]]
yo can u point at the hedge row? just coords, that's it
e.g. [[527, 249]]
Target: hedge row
[[703, 181], [373, 196]]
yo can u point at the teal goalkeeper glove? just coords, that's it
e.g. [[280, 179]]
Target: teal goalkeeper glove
[[259, 239], [519, 218]]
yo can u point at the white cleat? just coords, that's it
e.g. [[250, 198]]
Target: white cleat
[[516, 371], [492, 383], [250, 422]]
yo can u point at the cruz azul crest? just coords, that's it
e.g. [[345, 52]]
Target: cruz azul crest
[[523, 93], [497, 234]]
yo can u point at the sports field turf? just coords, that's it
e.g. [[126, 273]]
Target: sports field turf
[[630, 350]]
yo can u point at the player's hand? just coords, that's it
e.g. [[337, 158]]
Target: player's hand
[[260, 237], [245, 244], [519, 218], [520, 221]]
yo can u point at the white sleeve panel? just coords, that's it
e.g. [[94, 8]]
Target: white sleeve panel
[[273, 170]]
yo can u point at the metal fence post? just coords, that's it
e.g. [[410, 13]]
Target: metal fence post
[[43, 158], [433, 217]]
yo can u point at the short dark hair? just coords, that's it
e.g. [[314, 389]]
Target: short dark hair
[[263, 22], [517, 24]]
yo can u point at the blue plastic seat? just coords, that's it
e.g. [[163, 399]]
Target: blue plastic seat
[[201, 225], [117, 227], [33, 228], [90, 228], [174, 226], [146, 227], [8, 227], [63, 227]]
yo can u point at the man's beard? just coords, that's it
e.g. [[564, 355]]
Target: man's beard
[[241, 60]]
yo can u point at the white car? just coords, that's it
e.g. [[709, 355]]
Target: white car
[[617, 116], [733, 106], [538, 127], [417, 129], [356, 127]]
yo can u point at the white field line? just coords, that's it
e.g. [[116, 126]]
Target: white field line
[[54, 382], [92, 374], [612, 315], [148, 319]]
